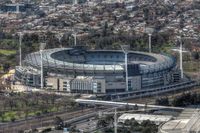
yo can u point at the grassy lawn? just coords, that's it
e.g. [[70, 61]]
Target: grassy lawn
[[8, 116], [191, 66], [7, 52], [16, 115]]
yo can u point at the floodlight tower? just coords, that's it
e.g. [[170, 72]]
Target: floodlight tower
[[75, 2], [20, 48], [181, 55], [149, 31], [42, 46], [125, 49], [60, 36], [74, 34], [17, 8], [115, 121]]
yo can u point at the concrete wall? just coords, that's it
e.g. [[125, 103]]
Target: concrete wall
[[103, 84], [136, 82], [52, 83]]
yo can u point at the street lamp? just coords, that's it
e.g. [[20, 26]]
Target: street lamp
[[125, 49], [149, 31], [42, 46]]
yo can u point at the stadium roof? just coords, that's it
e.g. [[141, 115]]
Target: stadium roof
[[99, 60]]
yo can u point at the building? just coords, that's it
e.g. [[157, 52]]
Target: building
[[28, 75], [17, 8], [99, 71], [157, 119], [186, 125]]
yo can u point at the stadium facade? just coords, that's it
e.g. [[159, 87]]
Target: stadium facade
[[97, 71]]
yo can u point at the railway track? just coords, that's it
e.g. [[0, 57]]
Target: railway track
[[152, 92], [33, 123], [170, 95]]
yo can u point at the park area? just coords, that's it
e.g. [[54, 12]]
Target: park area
[[7, 52], [16, 106], [8, 59]]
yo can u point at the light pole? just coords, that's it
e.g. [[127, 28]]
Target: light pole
[[181, 55], [149, 31], [125, 49], [74, 35], [60, 36], [149, 43], [75, 2], [20, 48], [17, 8], [42, 46], [115, 121]]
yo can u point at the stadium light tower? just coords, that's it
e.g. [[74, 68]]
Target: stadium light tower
[[60, 36], [17, 8], [42, 46], [125, 49], [74, 39], [20, 48], [181, 55], [115, 121], [149, 31], [75, 2], [74, 34]]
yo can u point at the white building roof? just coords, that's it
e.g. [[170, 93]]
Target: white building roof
[[142, 117]]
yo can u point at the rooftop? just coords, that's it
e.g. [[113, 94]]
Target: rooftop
[[142, 117]]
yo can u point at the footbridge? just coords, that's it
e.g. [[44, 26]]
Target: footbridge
[[117, 104]]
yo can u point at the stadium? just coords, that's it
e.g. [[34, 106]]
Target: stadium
[[97, 71]]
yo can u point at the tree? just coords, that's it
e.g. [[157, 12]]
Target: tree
[[105, 28], [146, 14], [26, 111], [101, 123], [127, 122], [52, 98], [6, 67], [181, 22], [44, 108], [162, 101], [13, 118], [59, 123], [196, 55], [127, 107], [73, 128], [11, 102], [135, 126], [135, 107], [146, 130], [149, 127], [1, 115]]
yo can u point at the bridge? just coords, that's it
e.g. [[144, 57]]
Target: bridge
[[119, 104]]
